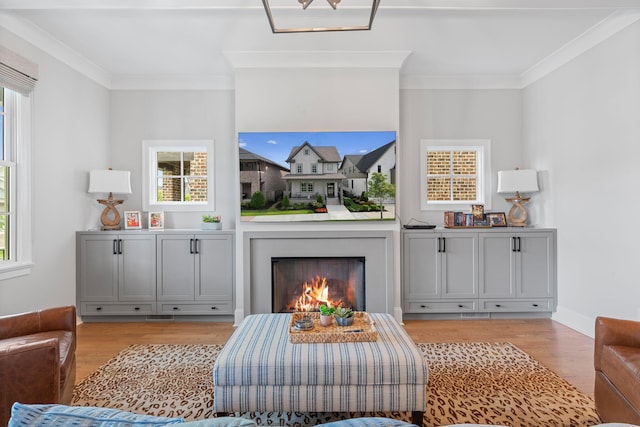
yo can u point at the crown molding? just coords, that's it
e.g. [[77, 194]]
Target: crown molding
[[317, 59], [597, 34], [410, 81], [172, 82], [45, 42]]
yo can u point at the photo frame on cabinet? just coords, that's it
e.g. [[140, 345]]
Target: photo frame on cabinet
[[497, 219], [156, 220], [132, 220]]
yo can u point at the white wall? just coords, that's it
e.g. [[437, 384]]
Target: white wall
[[170, 115], [582, 129], [457, 114], [71, 135]]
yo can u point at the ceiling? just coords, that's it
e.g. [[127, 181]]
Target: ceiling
[[122, 43]]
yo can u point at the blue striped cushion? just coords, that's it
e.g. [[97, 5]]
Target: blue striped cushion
[[81, 416]]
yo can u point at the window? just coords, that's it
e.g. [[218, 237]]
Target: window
[[306, 187], [455, 174], [178, 175], [15, 230], [306, 151], [299, 168], [314, 168], [329, 167], [379, 168]]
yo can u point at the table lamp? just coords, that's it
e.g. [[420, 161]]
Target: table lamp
[[110, 181], [517, 181]]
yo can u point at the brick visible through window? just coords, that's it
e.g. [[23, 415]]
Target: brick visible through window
[[452, 175]]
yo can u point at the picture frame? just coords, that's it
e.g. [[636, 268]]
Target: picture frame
[[156, 220], [132, 220], [497, 219]]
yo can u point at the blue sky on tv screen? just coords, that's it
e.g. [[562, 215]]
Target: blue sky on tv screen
[[276, 146]]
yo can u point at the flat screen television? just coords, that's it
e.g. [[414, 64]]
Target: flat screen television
[[317, 176]]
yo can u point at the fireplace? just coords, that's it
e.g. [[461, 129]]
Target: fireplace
[[305, 283]]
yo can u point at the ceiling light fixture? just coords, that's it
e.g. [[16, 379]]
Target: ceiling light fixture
[[316, 20]]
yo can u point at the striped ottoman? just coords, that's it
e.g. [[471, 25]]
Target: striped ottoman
[[260, 370]]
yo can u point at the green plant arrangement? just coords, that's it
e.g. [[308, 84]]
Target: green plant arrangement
[[326, 315], [211, 222], [344, 316], [343, 312], [326, 311], [210, 218]]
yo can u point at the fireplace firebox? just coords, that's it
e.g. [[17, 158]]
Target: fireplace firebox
[[305, 283]]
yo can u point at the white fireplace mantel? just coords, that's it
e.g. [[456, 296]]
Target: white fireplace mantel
[[375, 246]]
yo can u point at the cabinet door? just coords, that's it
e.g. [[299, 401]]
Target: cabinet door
[[175, 267], [422, 272], [459, 253], [214, 267], [98, 267], [536, 269], [497, 265], [137, 272]]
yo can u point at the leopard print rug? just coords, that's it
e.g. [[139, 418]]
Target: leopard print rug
[[481, 383]]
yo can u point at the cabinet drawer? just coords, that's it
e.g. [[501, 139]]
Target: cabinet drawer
[[96, 309], [441, 306], [224, 307], [515, 305]]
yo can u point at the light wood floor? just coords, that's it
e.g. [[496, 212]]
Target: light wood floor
[[561, 349]]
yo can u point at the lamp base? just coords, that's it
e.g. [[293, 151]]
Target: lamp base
[[110, 210], [518, 213]]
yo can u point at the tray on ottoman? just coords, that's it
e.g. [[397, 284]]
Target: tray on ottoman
[[362, 330]]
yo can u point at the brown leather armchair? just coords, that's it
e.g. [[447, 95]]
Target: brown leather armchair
[[37, 358], [617, 365]]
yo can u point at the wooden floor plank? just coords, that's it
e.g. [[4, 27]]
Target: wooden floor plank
[[563, 350]]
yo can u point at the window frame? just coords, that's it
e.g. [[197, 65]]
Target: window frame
[[18, 142], [149, 174], [483, 167]]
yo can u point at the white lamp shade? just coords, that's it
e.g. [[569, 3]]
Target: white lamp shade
[[519, 180], [110, 181]]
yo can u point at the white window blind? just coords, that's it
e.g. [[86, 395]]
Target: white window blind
[[16, 72]]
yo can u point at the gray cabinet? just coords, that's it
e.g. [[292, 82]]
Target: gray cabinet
[[440, 271], [195, 273], [490, 270], [116, 268], [142, 272], [518, 265]]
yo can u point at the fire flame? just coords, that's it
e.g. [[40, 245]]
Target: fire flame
[[314, 294]]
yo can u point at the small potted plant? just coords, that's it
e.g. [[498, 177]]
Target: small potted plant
[[211, 222], [344, 316], [326, 315]]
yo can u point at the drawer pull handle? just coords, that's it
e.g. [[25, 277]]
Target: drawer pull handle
[[176, 308], [136, 308], [98, 308], [498, 305], [460, 306], [535, 305], [424, 306], [214, 308]]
